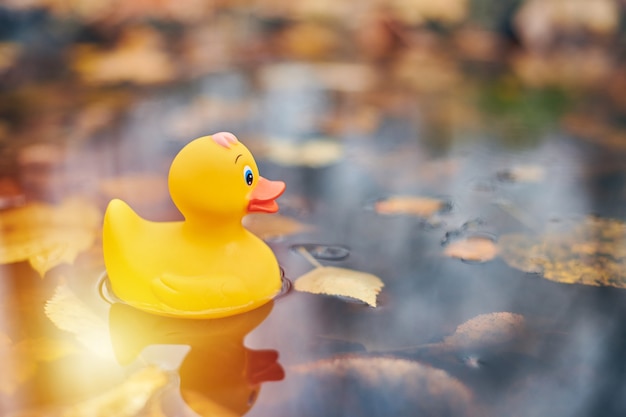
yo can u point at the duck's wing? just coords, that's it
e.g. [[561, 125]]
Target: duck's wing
[[200, 293]]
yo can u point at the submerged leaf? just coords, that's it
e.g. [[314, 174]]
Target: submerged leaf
[[376, 386], [413, 205], [71, 314], [474, 248], [313, 153], [488, 330], [341, 282], [591, 252], [125, 400], [268, 226], [48, 235]]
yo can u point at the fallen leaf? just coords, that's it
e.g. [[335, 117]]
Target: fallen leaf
[[138, 58], [413, 205], [589, 252], [48, 235], [270, 226], [309, 40], [69, 313], [125, 400], [492, 332], [19, 361], [341, 282], [488, 330], [540, 22], [376, 386], [523, 173], [474, 249], [8, 54], [313, 153]]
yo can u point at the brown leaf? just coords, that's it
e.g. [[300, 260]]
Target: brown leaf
[[488, 330], [125, 400], [413, 205], [269, 226], [71, 314], [589, 252], [475, 249], [341, 282], [48, 235], [313, 153], [375, 386]]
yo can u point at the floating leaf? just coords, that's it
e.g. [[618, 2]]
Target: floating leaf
[[474, 249], [376, 386], [313, 153], [19, 361], [341, 282], [48, 235], [591, 252], [338, 281], [71, 314], [125, 400], [495, 332], [268, 226], [488, 330], [413, 205]]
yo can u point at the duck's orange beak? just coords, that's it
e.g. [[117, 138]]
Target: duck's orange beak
[[263, 196]]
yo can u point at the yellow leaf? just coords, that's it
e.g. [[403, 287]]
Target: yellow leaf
[[341, 282], [476, 249], [19, 361], [48, 235], [313, 153], [125, 400], [268, 226], [413, 205], [71, 314]]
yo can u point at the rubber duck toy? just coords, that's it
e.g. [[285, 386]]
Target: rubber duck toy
[[207, 265]]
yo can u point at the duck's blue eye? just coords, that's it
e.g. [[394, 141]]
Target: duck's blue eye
[[248, 175]]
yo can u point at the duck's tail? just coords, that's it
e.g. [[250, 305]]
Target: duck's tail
[[120, 222]]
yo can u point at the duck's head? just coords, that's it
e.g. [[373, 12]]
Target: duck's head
[[217, 175]]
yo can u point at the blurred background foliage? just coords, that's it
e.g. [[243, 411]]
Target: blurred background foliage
[[72, 69]]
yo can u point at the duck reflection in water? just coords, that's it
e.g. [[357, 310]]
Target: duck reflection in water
[[218, 372]]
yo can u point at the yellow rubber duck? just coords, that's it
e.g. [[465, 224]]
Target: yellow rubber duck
[[207, 265]]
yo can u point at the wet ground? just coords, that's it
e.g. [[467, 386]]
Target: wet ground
[[478, 175]]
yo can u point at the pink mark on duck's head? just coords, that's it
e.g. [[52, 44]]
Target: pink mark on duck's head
[[225, 139]]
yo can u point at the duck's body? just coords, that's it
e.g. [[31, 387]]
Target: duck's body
[[208, 265]]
